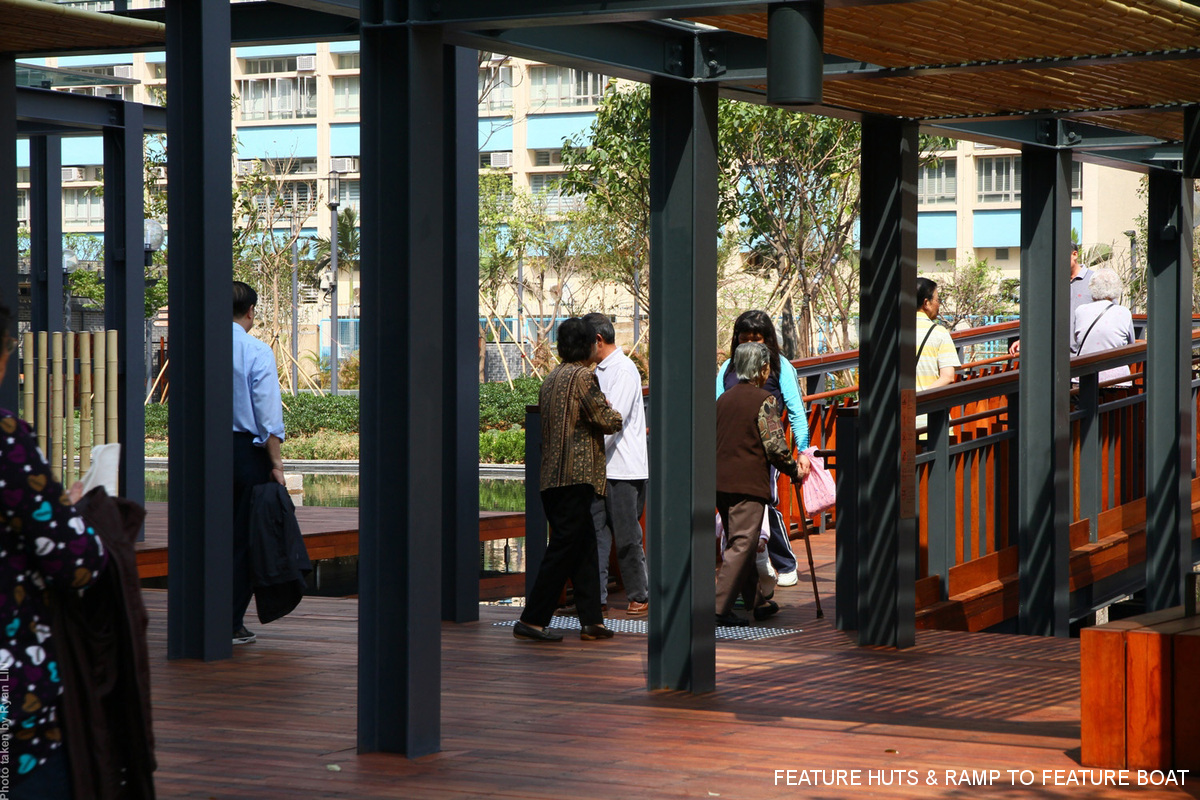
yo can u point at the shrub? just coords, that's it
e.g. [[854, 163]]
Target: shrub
[[303, 414], [502, 447], [309, 413], [501, 407], [323, 445], [156, 421]]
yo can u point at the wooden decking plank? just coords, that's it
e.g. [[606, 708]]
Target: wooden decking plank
[[522, 720]]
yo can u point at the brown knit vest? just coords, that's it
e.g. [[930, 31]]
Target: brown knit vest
[[742, 466]]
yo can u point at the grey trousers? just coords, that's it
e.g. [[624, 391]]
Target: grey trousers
[[616, 518], [742, 517]]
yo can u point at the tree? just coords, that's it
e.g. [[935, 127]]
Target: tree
[[268, 209], [795, 190], [972, 290], [610, 168]]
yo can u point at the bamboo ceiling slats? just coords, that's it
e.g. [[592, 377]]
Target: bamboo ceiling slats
[[1000, 34], [30, 26]]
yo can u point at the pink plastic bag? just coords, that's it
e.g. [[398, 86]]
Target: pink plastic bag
[[818, 489]]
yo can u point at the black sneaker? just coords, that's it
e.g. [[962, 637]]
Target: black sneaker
[[243, 636]]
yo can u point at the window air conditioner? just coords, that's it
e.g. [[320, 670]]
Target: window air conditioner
[[502, 160], [344, 164], [72, 173], [306, 63], [245, 167], [123, 71]]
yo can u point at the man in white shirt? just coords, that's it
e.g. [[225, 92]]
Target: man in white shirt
[[617, 515]]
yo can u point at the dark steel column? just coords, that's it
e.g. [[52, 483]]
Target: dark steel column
[[1043, 438], [200, 595], [683, 291], [46, 234], [406, 374], [1168, 388], [125, 291], [887, 507], [460, 501], [10, 388]]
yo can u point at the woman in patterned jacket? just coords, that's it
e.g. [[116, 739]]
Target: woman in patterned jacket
[[45, 545]]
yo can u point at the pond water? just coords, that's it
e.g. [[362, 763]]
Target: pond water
[[342, 491], [501, 555]]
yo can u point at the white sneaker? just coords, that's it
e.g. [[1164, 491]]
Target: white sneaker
[[788, 578]]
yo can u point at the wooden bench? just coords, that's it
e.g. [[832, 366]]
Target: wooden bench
[[1138, 690]]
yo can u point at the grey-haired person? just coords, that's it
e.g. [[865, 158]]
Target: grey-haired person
[[749, 441]]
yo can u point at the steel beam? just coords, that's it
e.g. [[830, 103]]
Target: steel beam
[[683, 290], [886, 469], [1044, 465], [200, 515], [1168, 388], [524, 13], [405, 376], [460, 500], [88, 114], [125, 291], [46, 234], [10, 387]]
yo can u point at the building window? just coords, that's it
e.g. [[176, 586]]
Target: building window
[[345, 96], [939, 254], [262, 66], [563, 87], [495, 90], [82, 207], [547, 158], [348, 60], [1076, 180], [546, 187], [348, 194], [158, 71], [22, 207], [998, 179], [279, 98], [1002, 254], [938, 183]]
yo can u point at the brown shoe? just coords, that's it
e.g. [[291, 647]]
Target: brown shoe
[[637, 609]]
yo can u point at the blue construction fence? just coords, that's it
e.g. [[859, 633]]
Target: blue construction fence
[[348, 337]]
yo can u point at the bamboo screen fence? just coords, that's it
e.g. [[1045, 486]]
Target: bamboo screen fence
[[52, 363]]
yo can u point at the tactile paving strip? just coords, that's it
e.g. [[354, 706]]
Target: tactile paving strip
[[739, 633]]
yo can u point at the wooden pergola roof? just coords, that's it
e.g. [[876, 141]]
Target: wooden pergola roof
[[29, 27], [1130, 65]]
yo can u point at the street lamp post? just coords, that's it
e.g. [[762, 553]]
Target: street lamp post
[[70, 262], [1133, 259], [295, 300], [152, 242], [335, 188]]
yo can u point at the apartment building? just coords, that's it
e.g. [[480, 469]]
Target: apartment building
[[296, 112]]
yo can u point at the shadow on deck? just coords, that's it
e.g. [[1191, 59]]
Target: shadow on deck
[[522, 720]]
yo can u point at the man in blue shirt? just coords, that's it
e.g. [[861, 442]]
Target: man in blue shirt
[[257, 436]]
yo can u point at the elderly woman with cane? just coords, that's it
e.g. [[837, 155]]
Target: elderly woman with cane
[[750, 441]]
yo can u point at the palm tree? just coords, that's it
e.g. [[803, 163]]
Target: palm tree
[[348, 244]]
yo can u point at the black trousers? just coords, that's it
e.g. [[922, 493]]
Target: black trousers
[[571, 553], [251, 467]]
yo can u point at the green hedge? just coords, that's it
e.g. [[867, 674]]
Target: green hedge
[[502, 447], [303, 415], [502, 407], [156, 421]]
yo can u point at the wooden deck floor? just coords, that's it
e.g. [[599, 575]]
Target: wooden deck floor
[[574, 720]]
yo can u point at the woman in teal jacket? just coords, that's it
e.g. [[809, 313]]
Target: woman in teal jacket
[[756, 326]]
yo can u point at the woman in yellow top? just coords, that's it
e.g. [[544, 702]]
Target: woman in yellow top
[[936, 354]]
